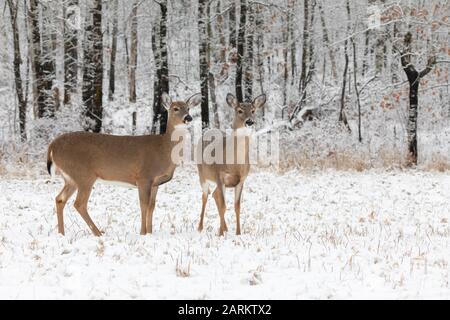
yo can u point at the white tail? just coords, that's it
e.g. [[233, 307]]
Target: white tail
[[82, 158]]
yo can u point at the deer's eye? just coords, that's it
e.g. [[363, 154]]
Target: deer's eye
[[240, 111], [176, 109], [253, 111]]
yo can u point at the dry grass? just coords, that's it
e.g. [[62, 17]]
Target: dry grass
[[348, 161], [439, 163], [22, 162]]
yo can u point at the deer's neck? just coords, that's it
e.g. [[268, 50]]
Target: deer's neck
[[241, 135], [241, 130], [173, 139]]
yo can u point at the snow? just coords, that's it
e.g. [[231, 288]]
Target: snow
[[328, 234]]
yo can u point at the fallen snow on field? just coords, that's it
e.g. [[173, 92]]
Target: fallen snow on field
[[305, 235]]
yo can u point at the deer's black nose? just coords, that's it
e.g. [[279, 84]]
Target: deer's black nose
[[187, 119], [249, 122]]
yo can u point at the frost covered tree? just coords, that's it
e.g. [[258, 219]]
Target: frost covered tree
[[204, 61], [13, 12], [71, 25], [92, 90], [414, 76]]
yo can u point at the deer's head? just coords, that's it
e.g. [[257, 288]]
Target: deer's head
[[244, 112], [178, 111]]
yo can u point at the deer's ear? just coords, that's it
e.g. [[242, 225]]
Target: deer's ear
[[259, 101], [194, 100], [166, 100], [231, 100]]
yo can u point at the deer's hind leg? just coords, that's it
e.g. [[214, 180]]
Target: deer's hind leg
[[205, 194], [61, 200], [84, 191]]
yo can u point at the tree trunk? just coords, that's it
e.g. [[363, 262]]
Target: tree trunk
[[240, 50], [366, 57], [232, 25], [211, 79], [38, 61], [220, 31], [414, 77], [259, 49], [164, 76], [305, 55], [48, 59], [133, 52], [291, 37], [311, 57], [326, 40], [112, 62], [342, 115], [248, 75], [204, 61], [70, 49], [92, 91], [355, 68], [13, 12], [31, 58], [156, 78], [285, 36]]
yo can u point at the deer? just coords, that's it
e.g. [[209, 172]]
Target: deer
[[219, 176], [142, 161]]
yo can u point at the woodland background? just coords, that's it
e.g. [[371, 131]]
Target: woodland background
[[337, 74]]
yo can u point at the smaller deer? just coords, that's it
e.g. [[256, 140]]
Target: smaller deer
[[144, 162], [230, 175]]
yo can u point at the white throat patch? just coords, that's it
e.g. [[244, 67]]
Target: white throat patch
[[244, 131]]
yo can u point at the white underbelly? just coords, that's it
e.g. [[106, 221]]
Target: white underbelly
[[116, 183]]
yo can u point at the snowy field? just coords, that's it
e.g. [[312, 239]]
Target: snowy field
[[326, 235]]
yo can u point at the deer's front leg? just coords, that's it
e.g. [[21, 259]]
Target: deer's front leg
[[150, 208], [144, 188], [237, 206], [219, 197]]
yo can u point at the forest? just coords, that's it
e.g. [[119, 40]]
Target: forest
[[350, 84]]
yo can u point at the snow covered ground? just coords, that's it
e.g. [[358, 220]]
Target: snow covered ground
[[306, 235]]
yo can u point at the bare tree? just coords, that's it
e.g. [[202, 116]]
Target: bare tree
[[414, 77], [342, 115], [48, 40], [213, 61], [240, 50], [326, 40], [70, 49], [203, 56], [42, 98], [156, 78], [159, 46], [13, 12], [305, 47], [133, 52], [291, 38], [112, 62], [248, 74], [232, 25], [92, 91]]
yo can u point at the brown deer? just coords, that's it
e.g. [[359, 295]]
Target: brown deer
[[230, 175], [144, 162]]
